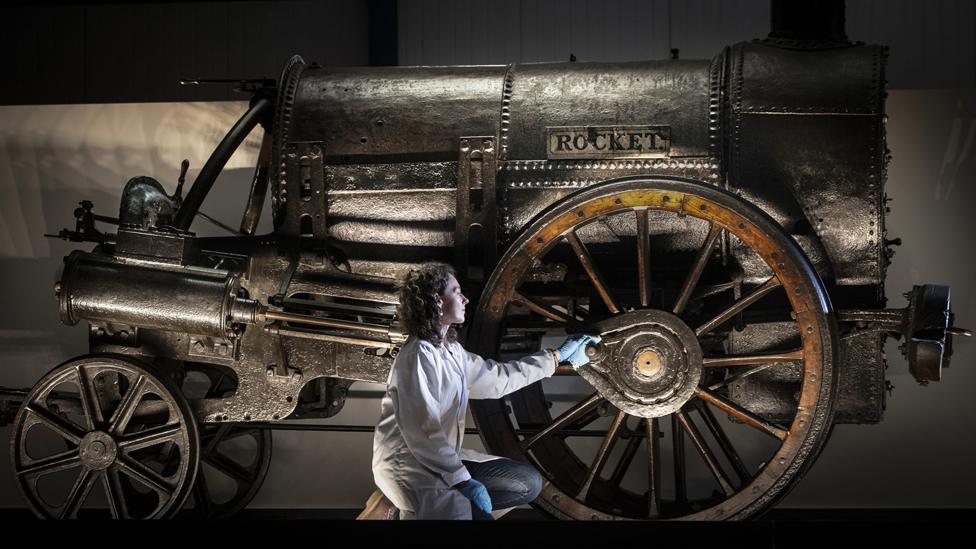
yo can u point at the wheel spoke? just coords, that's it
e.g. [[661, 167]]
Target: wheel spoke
[[633, 445], [201, 495], [89, 399], [214, 390], [239, 431], [678, 449], [567, 417], [52, 464], [61, 426], [590, 267], [601, 455], [218, 437], [116, 497], [150, 437], [740, 375], [739, 306], [229, 467], [120, 419], [740, 360], [145, 475], [723, 441], [696, 271], [741, 414], [543, 309], [78, 492], [643, 257], [653, 469], [582, 421], [699, 443]]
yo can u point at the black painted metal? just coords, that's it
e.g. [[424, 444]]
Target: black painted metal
[[208, 175]]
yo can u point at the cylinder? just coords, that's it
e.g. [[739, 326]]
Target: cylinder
[[103, 289]]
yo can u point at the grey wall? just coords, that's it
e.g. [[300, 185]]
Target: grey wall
[[115, 52], [91, 52]]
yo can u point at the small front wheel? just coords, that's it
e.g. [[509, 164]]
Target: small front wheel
[[105, 430]]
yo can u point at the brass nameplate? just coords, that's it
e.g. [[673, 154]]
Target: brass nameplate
[[608, 142]]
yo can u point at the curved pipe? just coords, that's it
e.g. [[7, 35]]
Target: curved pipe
[[216, 162]]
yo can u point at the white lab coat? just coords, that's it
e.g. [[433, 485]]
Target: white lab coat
[[417, 449]]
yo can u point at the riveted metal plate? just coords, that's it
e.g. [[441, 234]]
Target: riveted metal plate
[[568, 142]]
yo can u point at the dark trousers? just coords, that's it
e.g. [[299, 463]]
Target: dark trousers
[[509, 483]]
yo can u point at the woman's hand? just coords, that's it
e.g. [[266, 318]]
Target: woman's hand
[[476, 492], [573, 350]]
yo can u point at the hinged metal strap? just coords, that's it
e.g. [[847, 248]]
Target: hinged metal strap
[[476, 208], [306, 192]]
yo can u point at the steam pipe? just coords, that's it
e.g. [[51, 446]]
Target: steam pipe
[[208, 175]]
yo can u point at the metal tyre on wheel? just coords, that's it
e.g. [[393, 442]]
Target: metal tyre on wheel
[[109, 421], [676, 338]]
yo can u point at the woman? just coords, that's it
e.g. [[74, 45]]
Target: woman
[[418, 462]]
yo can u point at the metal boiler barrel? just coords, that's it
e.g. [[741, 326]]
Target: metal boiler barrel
[[179, 299]]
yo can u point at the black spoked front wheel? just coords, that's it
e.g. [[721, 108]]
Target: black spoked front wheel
[[105, 431]]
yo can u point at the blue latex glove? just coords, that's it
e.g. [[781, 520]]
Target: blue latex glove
[[579, 358], [573, 343], [477, 493]]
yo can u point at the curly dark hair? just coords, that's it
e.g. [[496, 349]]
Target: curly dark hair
[[418, 310]]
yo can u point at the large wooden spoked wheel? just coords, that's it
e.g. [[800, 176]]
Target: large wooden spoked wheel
[[105, 431], [664, 371]]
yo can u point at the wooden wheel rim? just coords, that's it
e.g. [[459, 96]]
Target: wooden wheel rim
[[754, 228]]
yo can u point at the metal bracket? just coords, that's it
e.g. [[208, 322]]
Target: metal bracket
[[879, 320], [107, 333], [926, 325], [213, 347], [305, 188], [279, 298], [475, 234]]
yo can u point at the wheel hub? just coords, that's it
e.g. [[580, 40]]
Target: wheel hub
[[98, 450], [649, 363]]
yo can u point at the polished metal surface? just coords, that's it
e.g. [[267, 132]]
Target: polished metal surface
[[99, 288]]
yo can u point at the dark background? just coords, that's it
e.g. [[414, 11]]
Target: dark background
[[91, 97], [95, 52]]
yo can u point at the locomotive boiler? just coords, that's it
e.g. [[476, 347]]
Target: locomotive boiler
[[720, 222]]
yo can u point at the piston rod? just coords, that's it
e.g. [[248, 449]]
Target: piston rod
[[325, 322]]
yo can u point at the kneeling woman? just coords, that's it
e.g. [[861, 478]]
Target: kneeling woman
[[418, 461]]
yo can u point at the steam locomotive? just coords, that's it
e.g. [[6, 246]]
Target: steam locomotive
[[720, 222]]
